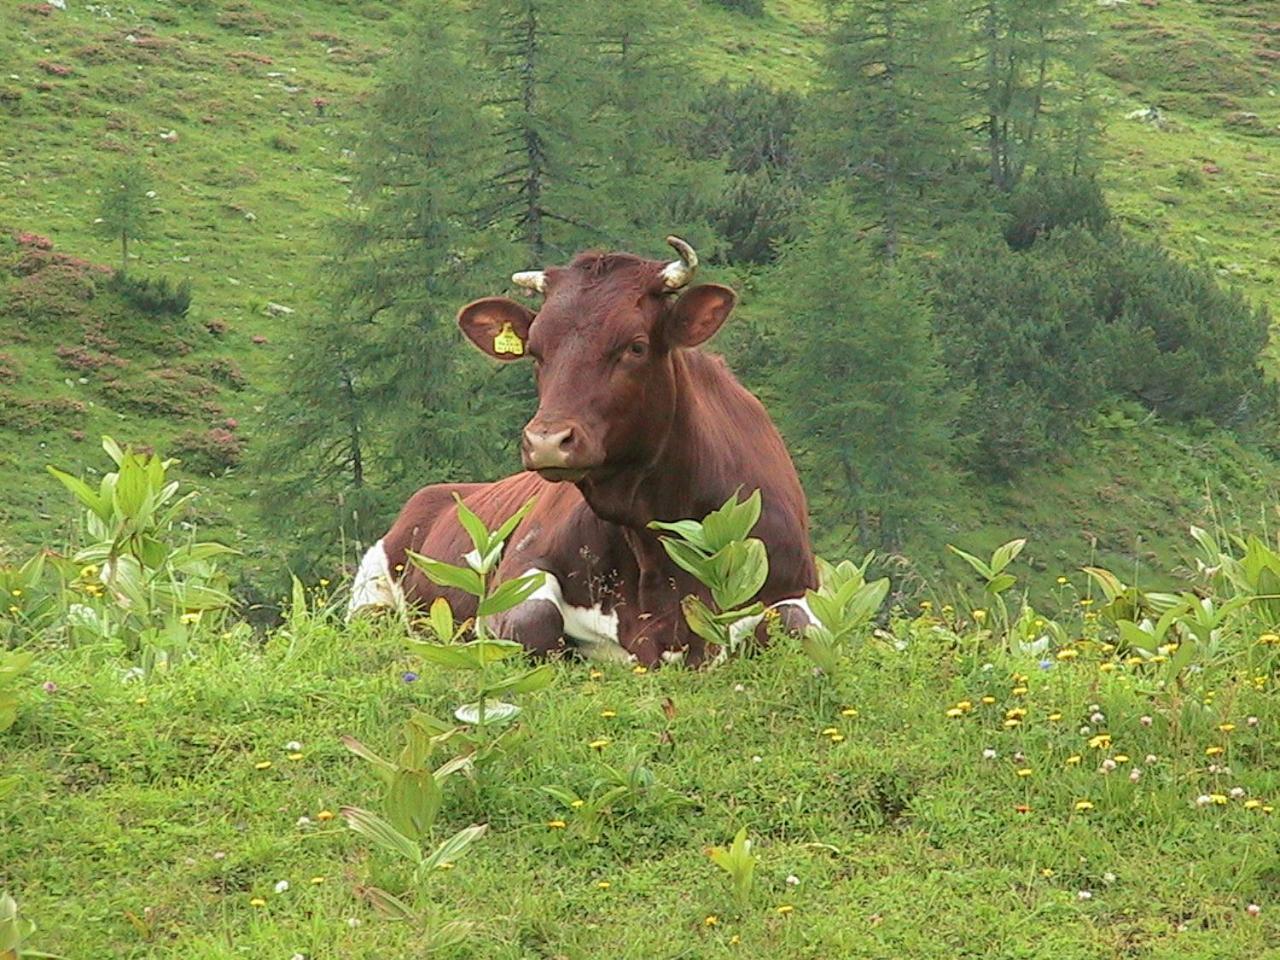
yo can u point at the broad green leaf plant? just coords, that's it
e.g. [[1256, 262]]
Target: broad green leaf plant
[[147, 584], [996, 580]]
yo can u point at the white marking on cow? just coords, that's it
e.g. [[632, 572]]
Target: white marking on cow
[[593, 631], [739, 630], [374, 585]]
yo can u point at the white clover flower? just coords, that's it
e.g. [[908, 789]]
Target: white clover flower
[[793, 880], [1236, 792], [1084, 895], [1203, 800], [282, 886], [293, 746], [988, 754]]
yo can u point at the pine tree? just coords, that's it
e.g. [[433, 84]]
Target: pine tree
[[125, 210], [886, 120], [861, 391]]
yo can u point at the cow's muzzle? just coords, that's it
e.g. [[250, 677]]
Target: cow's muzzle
[[558, 452]]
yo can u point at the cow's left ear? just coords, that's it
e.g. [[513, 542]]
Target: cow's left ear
[[698, 314], [498, 326]]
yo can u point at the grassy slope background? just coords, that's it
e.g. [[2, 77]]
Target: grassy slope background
[[249, 173]]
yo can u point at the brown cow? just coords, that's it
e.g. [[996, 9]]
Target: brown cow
[[634, 423]]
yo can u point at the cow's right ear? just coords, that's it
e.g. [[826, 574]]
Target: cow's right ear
[[498, 326]]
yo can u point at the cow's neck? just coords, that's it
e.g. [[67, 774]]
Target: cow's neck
[[694, 462]]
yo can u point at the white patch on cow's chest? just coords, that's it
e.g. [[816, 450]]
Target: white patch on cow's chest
[[593, 631], [374, 585]]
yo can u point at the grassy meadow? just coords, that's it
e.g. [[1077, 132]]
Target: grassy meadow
[[945, 794]]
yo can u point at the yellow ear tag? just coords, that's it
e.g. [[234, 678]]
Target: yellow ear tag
[[508, 341]]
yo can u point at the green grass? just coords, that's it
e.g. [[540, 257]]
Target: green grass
[[142, 826]]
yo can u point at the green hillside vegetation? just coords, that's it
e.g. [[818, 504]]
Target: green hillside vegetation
[[246, 117]]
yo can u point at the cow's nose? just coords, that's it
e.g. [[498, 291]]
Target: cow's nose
[[547, 448]]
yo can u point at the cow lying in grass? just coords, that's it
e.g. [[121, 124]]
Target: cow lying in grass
[[634, 424]]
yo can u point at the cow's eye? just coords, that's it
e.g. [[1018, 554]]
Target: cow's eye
[[637, 348]]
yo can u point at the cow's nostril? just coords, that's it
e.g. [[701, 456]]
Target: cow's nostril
[[548, 448], [565, 439]]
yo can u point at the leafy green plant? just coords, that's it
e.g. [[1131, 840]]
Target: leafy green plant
[[151, 589], [996, 581], [634, 787], [842, 605], [30, 604], [437, 934], [731, 564], [739, 863], [12, 665], [14, 931], [476, 657]]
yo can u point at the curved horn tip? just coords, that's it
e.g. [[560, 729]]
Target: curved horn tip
[[679, 272], [534, 280]]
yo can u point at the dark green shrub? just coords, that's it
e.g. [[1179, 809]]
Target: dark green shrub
[[154, 296], [1044, 203]]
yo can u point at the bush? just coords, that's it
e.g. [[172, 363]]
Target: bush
[[210, 451], [154, 296], [1044, 203], [1041, 337]]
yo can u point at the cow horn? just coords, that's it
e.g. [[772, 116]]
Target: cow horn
[[678, 273], [535, 280]]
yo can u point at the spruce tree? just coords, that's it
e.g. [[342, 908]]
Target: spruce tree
[[860, 391]]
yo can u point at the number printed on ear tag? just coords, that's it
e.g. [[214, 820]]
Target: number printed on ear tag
[[508, 341]]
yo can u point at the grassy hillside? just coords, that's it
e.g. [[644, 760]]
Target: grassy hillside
[[243, 110], [947, 797]]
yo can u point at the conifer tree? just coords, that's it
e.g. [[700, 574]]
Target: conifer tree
[[123, 214], [886, 120], [861, 391]]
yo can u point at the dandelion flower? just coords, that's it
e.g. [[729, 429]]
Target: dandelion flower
[[837, 737], [608, 714], [955, 712], [1106, 667], [556, 824], [257, 902], [1213, 751], [577, 802], [596, 674], [1226, 727], [1101, 742], [849, 712], [1067, 654], [1055, 717], [1218, 798], [599, 744], [324, 815], [1253, 804], [1047, 872], [1121, 758], [316, 881], [710, 920], [1013, 722], [1084, 805], [262, 765], [1073, 760], [785, 909], [639, 669], [1024, 772], [988, 700], [1062, 581], [603, 884], [965, 705], [830, 732], [1019, 691]]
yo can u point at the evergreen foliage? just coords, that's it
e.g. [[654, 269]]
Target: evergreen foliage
[[860, 391], [124, 211]]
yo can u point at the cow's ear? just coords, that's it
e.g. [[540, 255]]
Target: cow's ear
[[698, 314], [498, 326]]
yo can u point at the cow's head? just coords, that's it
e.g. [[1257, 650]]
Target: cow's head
[[603, 349]]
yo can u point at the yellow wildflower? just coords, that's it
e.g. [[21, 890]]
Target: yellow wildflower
[[1083, 805], [324, 815], [596, 674], [1106, 667], [830, 731], [1024, 772], [599, 744], [577, 802], [837, 738], [1100, 742], [316, 881], [1018, 712], [988, 700], [1121, 758], [603, 884], [1252, 804], [608, 714], [257, 902], [1073, 760], [849, 712], [295, 756], [1055, 717], [965, 705], [639, 668], [1213, 751], [1269, 638], [1218, 798], [1226, 727], [190, 618], [1068, 654], [955, 712], [556, 824], [710, 920], [262, 765], [785, 909], [979, 616], [1086, 602], [1019, 691], [1013, 722]]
